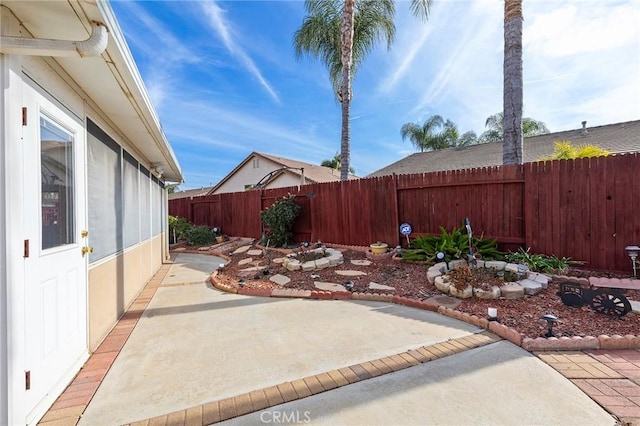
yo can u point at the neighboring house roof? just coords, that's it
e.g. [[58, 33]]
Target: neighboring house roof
[[616, 138], [187, 193], [313, 173]]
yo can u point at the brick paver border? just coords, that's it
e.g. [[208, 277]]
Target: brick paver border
[[261, 399]]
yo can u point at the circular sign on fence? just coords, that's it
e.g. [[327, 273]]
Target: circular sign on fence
[[405, 229]]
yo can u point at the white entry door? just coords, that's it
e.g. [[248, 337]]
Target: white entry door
[[55, 265]]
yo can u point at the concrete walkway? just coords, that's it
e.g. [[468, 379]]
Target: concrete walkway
[[197, 356]]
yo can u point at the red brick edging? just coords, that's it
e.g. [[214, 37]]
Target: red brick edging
[[529, 344]]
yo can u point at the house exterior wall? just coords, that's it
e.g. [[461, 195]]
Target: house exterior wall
[[251, 172], [107, 302], [112, 283]]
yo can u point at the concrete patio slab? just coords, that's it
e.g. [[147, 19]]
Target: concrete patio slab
[[498, 384], [191, 268], [195, 344]]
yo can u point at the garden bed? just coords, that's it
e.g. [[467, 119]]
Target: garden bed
[[410, 280]]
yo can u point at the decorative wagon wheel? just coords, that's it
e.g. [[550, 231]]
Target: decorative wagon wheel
[[607, 302], [571, 294]]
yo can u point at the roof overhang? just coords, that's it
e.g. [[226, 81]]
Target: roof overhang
[[111, 80]]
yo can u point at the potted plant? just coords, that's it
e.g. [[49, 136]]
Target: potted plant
[[379, 248], [217, 233]]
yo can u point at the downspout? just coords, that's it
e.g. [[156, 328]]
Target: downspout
[[93, 46]]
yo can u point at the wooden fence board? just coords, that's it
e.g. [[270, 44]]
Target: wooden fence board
[[584, 209]]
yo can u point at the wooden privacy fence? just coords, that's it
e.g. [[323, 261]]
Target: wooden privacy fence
[[587, 209]]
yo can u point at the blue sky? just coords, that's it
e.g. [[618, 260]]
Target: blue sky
[[225, 81]]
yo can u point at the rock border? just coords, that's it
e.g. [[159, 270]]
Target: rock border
[[529, 344]]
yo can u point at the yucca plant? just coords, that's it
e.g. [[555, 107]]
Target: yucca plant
[[541, 262], [454, 244]]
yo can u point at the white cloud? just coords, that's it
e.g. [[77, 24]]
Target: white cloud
[[222, 28], [573, 28]]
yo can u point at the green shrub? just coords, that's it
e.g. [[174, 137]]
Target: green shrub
[[454, 244], [178, 227], [279, 219], [541, 262], [199, 236]]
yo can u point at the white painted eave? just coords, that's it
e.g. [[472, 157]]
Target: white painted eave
[[111, 80]]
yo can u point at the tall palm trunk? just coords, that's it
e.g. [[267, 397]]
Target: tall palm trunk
[[346, 36], [512, 97]]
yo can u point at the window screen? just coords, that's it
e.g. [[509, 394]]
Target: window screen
[[145, 204], [104, 193], [131, 201]]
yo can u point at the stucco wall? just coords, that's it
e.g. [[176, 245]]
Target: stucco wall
[[114, 284]]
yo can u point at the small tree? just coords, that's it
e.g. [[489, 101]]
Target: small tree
[[565, 150], [279, 219]]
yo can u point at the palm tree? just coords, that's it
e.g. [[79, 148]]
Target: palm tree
[[341, 35], [425, 137], [512, 89], [429, 136], [335, 164], [495, 128]]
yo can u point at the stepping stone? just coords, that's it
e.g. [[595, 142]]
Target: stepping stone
[[376, 286], [280, 279], [254, 252], [635, 306], [328, 286], [349, 273], [204, 248], [253, 268], [446, 301], [245, 261], [180, 249], [361, 262], [242, 249], [278, 260]]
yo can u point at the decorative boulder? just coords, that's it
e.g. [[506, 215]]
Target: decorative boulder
[[465, 293], [512, 291], [530, 287], [432, 274], [494, 293], [441, 284]]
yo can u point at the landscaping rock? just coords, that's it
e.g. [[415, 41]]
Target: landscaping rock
[[441, 284], [179, 249], [322, 263], [432, 273], [511, 267], [349, 273], [280, 279], [465, 293], [278, 260], [329, 286], [204, 248], [293, 265], [440, 266], [308, 266], [252, 269], [542, 279], [255, 252], [245, 261], [457, 263], [512, 291], [494, 293], [445, 301], [376, 286], [241, 249], [495, 264], [361, 262], [335, 258], [530, 287]]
